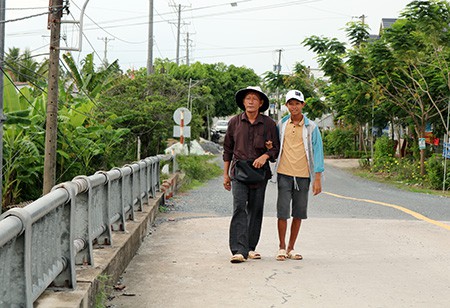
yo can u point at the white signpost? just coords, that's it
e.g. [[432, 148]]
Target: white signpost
[[182, 116]]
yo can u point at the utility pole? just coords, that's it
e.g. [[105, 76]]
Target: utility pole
[[178, 34], [363, 19], [2, 117], [279, 61], [51, 125], [278, 69], [187, 48], [150, 40], [105, 58], [446, 146]]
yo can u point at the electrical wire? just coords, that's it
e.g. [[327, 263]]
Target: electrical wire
[[252, 10], [26, 8], [31, 79], [272, 6], [22, 18], [58, 10], [109, 33]]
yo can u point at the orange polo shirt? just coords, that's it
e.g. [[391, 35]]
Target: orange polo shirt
[[293, 160]]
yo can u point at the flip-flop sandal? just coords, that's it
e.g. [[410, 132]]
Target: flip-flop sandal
[[237, 258], [294, 255], [281, 256], [254, 255]]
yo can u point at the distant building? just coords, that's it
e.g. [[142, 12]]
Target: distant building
[[326, 122], [386, 23], [317, 73]]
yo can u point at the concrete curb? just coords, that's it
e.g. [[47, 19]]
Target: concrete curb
[[109, 262]]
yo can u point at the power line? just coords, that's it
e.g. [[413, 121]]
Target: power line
[[22, 18], [112, 35], [57, 9], [26, 8]]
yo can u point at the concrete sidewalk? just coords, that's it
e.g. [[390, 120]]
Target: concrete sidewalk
[[347, 263]]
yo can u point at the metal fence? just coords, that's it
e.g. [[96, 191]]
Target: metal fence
[[41, 244]]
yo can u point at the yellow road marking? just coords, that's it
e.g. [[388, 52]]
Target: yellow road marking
[[400, 208]]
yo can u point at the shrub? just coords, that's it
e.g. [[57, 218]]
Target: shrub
[[383, 156], [435, 172], [408, 170], [338, 141], [197, 169]]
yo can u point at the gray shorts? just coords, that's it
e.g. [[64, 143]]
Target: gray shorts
[[287, 193]]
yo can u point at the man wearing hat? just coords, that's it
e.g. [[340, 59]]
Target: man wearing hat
[[246, 139], [300, 162]]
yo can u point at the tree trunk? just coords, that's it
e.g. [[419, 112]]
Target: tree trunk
[[422, 162], [361, 138]]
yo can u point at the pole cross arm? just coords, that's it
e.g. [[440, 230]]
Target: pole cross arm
[[80, 23]]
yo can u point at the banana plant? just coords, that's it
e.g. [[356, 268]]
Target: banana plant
[[22, 145], [89, 81]]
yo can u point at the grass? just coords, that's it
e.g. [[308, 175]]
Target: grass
[[198, 169], [364, 173]]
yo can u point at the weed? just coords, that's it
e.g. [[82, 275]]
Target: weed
[[103, 291]]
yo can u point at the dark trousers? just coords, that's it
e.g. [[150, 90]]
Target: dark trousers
[[245, 227]]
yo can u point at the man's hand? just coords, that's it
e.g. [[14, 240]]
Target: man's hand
[[227, 182], [317, 185], [260, 161]]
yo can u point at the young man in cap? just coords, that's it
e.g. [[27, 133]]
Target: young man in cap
[[246, 139], [300, 162]]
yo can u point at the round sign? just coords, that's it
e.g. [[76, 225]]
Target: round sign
[[182, 113]]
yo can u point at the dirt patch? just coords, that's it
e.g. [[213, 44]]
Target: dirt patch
[[345, 163]]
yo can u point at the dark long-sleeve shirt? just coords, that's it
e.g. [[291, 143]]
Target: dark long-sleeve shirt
[[245, 140]]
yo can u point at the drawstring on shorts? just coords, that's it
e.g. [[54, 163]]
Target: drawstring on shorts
[[296, 184]]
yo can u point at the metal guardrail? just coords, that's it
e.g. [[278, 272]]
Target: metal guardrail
[[41, 244]]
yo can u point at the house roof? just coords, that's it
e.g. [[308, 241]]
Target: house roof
[[386, 23]]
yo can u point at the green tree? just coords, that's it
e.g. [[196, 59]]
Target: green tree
[[412, 70], [24, 68], [223, 81], [349, 92], [145, 105], [89, 80]]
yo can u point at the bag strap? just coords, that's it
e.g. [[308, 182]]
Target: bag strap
[[264, 124], [265, 128]]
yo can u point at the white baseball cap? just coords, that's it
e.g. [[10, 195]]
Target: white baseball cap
[[295, 94]]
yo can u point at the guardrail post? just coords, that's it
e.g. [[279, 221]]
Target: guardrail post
[[21, 294], [83, 225], [67, 277]]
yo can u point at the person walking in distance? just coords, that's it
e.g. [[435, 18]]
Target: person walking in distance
[[245, 141], [300, 162]]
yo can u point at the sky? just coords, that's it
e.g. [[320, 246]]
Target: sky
[[251, 33]]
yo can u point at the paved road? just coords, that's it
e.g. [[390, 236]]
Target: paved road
[[365, 245]]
